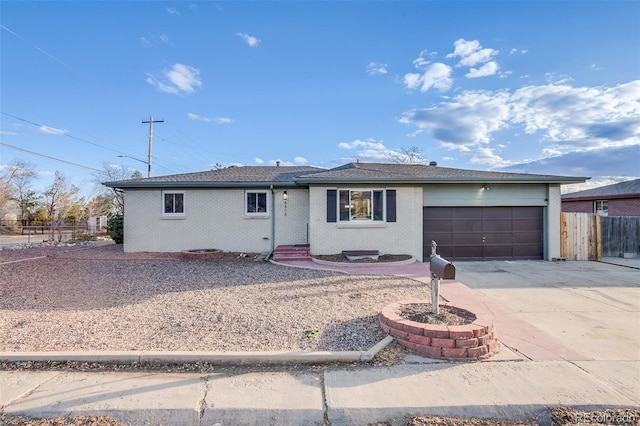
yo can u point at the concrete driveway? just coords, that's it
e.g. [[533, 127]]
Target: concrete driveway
[[592, 308]]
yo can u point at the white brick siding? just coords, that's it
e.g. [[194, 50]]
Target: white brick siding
[[401, 237], [214, 218]]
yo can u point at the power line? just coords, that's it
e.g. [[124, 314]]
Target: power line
[[62, 133], [77, 138], [50, 158], [39, 49]]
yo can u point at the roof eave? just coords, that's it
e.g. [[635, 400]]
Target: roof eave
[[437, 180], [149, 185]]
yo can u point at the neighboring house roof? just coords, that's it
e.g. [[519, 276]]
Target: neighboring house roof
[[627, 189], [348, 173]]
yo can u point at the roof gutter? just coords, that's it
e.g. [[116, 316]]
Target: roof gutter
[[143, 185], [438, 180]]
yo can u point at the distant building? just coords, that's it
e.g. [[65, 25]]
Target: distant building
[[620, 199]]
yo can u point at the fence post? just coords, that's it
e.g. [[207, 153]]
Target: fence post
[[598, 239], [563, 235]]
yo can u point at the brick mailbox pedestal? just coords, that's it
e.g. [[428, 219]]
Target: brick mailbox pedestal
[[469, 342]]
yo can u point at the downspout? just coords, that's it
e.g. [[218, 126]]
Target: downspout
[[273, 219]]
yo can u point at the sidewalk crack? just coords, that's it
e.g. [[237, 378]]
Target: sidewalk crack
[[28, 392], [202, 403]]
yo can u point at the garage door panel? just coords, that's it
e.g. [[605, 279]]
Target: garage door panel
[[467, 226], [504, 239], [496, 226], [527, 238], [498, 252], [465, 238], [509, 232], [438, 213], [465, 252], [463, 213]]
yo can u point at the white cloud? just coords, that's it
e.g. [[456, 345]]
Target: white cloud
[[198, 117], [471, 53], [376, 69], [300, 160], [52, 130], [368, 151], [173, 11], [437, 75], [251, 41], [487, 157], [594, 67], [467, 120], [563, 118], [258, 160], [520, 51], [7, 133], [223, 120], [490, 68], [153, 41], [180, 79], [217, 120], [421, 61]]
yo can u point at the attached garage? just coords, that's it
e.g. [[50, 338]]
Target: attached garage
[[479, 233]]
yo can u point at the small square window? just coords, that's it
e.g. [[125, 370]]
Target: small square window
[[172, 203], [601, 207], [256, 203]]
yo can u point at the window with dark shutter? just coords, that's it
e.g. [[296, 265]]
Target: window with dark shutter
[[332, 206], [391, 205]]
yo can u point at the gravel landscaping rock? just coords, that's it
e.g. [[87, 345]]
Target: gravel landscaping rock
[[100, 298]]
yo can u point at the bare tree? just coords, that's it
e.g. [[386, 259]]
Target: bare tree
[[409, 155], [59, 198], [112, 172]]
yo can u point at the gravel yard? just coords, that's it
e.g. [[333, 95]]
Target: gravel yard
[[100, 298]]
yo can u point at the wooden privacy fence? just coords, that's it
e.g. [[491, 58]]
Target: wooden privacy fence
[[585, 236]]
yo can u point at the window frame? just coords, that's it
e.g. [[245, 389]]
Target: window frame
[[174, 213], [257, 213], [604, 207], [374, 209]]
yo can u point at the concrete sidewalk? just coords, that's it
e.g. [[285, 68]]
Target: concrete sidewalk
[[345, 396], [568, 338]]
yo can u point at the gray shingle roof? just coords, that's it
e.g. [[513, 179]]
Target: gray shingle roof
[[627, 188], [372, 172], [348, 173], [231, 176]]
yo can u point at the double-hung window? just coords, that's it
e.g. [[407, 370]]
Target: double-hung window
[[256, 203], [173, 203]]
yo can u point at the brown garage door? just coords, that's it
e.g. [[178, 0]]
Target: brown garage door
[[477, 233]]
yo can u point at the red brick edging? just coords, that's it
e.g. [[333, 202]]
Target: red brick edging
[[470, 342]]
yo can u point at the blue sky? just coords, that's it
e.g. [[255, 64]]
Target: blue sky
[[537, 87]]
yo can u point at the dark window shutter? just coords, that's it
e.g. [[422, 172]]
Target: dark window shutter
[[332, 206], [391, 205]]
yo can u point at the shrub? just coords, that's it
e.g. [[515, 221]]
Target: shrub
[[116, 225]]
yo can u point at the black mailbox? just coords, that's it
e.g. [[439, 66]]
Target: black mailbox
[[442, 268]]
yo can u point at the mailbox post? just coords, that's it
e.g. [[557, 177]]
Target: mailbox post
[[440, 269]]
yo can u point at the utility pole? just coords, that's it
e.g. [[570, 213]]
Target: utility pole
[[151, 121]]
